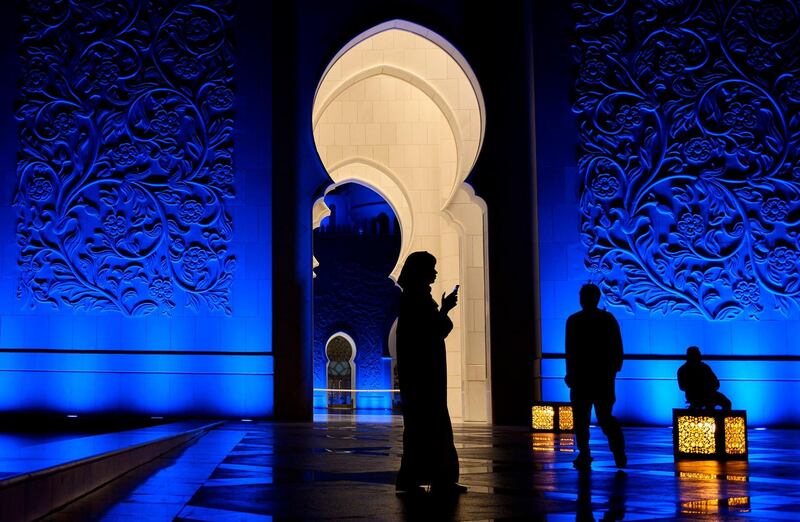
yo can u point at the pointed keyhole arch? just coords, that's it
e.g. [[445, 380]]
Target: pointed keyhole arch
[[399, 110]]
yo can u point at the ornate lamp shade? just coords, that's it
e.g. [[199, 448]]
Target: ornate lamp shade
[[709, 434], [552, 417]]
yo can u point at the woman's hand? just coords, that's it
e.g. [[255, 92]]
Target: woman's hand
[[449, 301]]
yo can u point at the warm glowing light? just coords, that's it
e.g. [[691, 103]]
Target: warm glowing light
[[715, 434], [735, 436], [551, 442], [696, 434], [543, 442], [716, 506], [700, 507], [543, 417], [736, 478], [739, 502], [565, 418], [697, 475], [552, 416]]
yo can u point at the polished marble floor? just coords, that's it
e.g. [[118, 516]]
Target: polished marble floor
[[22, 453], [344, 468]]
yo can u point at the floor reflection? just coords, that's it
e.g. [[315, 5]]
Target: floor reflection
[[712, 487], [347, 469], [551, 442]]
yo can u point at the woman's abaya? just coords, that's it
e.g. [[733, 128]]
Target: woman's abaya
[[429, 456]]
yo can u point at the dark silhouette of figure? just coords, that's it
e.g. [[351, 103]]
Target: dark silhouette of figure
[[594, 356], [429, 455], [698, 381]]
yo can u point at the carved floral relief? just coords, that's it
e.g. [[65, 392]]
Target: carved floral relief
[[689, 115], [125, 153]]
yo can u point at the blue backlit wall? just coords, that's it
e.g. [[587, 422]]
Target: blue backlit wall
[[681, 200], [136, 273]]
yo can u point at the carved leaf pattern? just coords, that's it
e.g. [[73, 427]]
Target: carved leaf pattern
[[125, 155], [690, 144]]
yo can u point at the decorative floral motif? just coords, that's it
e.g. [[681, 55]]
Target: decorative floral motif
[[64, 124], [774, 209], [593, 71], [706, 181], [782, 259], [40, 189], [740, 116], [629, 116], [35, 80], [125, 155], [107, 72], [691, 225], [161, 290], [769, 17], [222, 174], [746, 293], [197, 28], [672, 63], [698, 150], [191, 211], [220, 98], [761, 57], [605, 186], [115, 225], [166, 123], [195, 258], [187, 67]]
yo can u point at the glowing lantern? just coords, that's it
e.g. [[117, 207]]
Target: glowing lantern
[[709, 434], [552, 416]]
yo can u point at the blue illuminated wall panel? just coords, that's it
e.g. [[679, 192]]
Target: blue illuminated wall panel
[[137, 256], [683, 196]]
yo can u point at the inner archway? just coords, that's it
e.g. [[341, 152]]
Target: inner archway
[[340, 371], [399, 110], [357, 246]]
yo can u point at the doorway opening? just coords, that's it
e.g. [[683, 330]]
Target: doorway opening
[[400, 111], [340, 371], [356, 247]]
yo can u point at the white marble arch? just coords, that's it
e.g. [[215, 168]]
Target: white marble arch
[[395, 77]]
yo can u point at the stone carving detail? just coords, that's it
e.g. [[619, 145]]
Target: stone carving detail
[[689, 115], [125, 155]]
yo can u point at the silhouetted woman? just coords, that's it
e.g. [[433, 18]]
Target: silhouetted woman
[[429, 456]]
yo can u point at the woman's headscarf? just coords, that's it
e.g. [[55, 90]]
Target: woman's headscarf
[[416, 270]]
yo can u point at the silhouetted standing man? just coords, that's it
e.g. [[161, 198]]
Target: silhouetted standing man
[[698, 380], [594, 356], [429, 455]]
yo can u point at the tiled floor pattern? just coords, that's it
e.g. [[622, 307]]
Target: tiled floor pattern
[[341, 469]]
